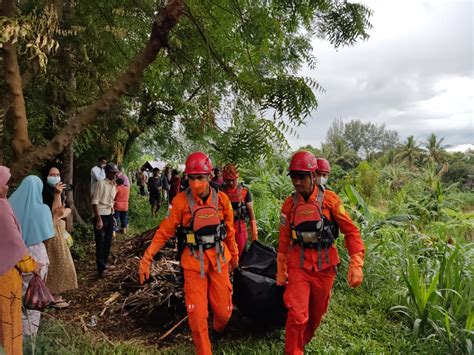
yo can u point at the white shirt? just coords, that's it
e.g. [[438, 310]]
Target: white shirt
[[97, 174], [104, 196]]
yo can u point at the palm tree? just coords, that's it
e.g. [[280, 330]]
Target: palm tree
[[410, 151], [389, 157], [341, 154], [436, 152]]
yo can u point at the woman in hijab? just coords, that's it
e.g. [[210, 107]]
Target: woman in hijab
[[14, 260], [36, 224]]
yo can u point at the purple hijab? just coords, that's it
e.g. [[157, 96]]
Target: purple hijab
[[12, 246]]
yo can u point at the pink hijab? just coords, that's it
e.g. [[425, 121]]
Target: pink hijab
[[12, 246]]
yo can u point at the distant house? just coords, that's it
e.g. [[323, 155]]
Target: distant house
[[151, 164]]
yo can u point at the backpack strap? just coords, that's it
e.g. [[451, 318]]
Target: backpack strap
[[215, 199], [293, 209], [201, 260], [190, 198], [320, 199]]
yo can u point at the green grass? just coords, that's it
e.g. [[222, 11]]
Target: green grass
[[358, 321], [139, 213], [56, 337], [378, 318]]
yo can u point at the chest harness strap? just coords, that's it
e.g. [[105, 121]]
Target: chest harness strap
[[203, 235]]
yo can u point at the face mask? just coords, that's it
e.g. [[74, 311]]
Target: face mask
[[53, 180], [197, 186], [323, 181], [102, 166]]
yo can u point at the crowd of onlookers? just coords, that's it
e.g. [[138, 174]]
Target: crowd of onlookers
[[35, 240], [159, 186]]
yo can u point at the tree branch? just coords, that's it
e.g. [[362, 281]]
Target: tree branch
[[164, 23], [221, 63]]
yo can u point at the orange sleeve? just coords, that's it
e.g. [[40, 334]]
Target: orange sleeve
[[27, 264], [285, 227], [168, 226], [352, 239], [229, 223]]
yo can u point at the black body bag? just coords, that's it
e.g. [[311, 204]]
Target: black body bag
[[256, 294]]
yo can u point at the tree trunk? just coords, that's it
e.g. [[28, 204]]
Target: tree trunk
[[68, 178], [82, 188], [21, 141], [3, 114], [166, 20], [129, 143]]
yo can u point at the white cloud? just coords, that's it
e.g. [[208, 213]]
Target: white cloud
[[415, 73]]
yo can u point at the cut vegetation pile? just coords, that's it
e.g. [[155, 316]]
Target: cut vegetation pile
[[119, 307]]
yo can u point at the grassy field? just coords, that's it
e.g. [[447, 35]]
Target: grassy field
[[417, 295]]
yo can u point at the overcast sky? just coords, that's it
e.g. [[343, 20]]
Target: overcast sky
[[415, 74]]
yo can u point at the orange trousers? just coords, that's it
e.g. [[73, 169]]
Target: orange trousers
[[307, 297], [241, 235], [215, 288]]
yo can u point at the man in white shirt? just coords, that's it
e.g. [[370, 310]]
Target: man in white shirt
[[103, 207], [97, 173]]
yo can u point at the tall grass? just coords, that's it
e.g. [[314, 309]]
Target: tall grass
[[439, 297]]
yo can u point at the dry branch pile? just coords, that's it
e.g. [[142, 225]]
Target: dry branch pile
[[117, 305], [157, 303]]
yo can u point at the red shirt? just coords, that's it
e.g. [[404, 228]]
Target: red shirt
[[121, 198]]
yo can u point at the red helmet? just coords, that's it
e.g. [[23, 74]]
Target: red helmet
[[323, 165], [198, 163], [230, 172], [303, 161]]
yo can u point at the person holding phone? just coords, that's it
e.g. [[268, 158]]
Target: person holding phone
[[62, 275]]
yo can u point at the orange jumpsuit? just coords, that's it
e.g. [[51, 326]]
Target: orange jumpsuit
[[240, 226], [196, 289], [309, 288]]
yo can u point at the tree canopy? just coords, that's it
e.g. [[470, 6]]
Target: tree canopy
[[363, 138], [72, 75]]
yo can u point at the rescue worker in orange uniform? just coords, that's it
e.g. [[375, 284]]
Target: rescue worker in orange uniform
[[322, 171], [205, 218], [307, 257], [242, 204]]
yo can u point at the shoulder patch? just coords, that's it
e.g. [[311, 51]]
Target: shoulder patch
[[283, 219]]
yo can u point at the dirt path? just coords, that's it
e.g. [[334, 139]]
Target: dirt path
[[99, 304]]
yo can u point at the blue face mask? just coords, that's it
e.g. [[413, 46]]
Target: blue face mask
[[53, 180]]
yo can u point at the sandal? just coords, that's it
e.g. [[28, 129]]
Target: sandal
[[60, 305]]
